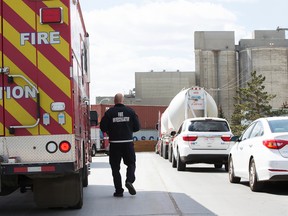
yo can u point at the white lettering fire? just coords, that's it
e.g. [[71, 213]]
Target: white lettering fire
[[17, 92]]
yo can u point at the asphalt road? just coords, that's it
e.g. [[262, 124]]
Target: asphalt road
[[163, 191]]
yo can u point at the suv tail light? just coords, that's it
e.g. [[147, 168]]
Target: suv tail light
[[190, 138], [226, 138], [275, 144]]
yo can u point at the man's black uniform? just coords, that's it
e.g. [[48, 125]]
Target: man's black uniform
[[119, 122]]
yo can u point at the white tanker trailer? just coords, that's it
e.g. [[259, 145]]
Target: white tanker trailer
[[189, 103]]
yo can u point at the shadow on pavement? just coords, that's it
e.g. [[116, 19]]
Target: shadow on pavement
[[205, 169], [99, 200], [276, 188]]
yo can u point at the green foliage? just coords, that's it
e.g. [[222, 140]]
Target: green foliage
[[220, 112], [251, 103], [281, 112]]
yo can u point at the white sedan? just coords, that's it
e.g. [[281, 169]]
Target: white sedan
[[261, 153]]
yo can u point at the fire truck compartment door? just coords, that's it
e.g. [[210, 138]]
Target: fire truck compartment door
[[19, 95]]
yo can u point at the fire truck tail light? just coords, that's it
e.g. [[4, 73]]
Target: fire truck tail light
[[51, 15], [65, 146], [51, 147]]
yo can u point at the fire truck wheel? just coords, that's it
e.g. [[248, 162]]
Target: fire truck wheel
[[84, 170], [85, 176]]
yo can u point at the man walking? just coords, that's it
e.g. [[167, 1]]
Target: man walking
[[119, 122]]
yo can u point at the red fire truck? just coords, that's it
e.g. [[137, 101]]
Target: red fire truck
[[44, 101]]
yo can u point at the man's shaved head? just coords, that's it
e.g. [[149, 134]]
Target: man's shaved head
[[119, 98]]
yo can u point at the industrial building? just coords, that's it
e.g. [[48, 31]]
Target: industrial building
[[267, 54], [216, 66], [221, 67], [158, 88]]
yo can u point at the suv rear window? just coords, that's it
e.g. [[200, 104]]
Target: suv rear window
[[208, 125]]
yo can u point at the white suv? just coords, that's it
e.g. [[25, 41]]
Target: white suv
[[202, 140]]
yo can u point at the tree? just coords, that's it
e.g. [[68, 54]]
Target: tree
[[220, 112], [283, 111], [252, 103]]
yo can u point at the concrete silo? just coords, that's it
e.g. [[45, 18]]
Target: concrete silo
[[216, 66], [267, 55]]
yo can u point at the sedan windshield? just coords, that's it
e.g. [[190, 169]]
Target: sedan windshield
[[208, 125]]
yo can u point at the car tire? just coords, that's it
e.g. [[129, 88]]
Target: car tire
[[254, 184], [161, 150], [218, 166], [174, 162], [226, 167], [232, 177], [170, 153], [165, 151], [181, 166]]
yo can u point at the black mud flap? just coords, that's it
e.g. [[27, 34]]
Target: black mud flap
[[8, 184], [65, 191]]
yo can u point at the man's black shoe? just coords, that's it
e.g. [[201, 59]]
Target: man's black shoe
[[130, 188], [118, 194]]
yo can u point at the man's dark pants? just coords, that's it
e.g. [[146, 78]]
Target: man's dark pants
[[116, 153]]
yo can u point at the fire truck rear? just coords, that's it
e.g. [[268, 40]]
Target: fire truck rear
[[44, 101]]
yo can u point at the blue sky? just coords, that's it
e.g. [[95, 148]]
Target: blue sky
[[142, 35]]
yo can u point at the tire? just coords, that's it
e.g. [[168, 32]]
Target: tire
[[84, 171], [181, 166], [254, 184], [85, 176], [170, 153], [226, 167], [218, 166], [232, 177], [93, 150], [161, 149], [165, 151], [173, 160]]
